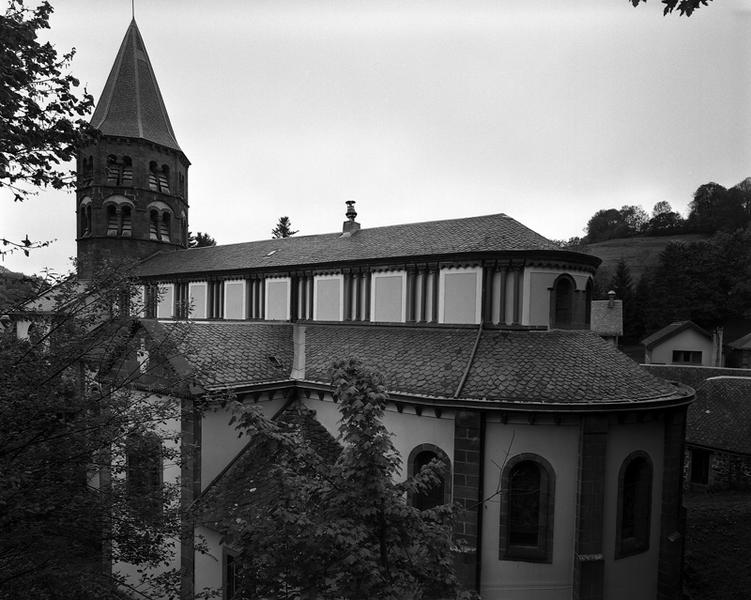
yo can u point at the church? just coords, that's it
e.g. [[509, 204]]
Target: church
[[480, 327]]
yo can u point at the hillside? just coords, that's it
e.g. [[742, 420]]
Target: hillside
[[15, 287], [638, 252]]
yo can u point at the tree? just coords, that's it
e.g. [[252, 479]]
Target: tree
[[43, 120], [665, 220], [200, 240], [343, 530], [612, 223], [283, 229], [622, 284], [80, 451], [684, 7], [706, 282]]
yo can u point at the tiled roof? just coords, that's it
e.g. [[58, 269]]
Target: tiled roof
[[606, 319], [131, 104], [720, 417], [671, 330], [230, 354], [491, 233], [743, 343], [693, 376], [248, 480], [550, 367]]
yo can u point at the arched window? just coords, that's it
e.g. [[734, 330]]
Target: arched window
[[527, 506], [112, 220], [634, 505], [143, 472], [153, 225], [562, 302], [163, 178], [87, 170], [153, 181], [159, 178], [164, 227], [113, 170], [126, 229], [439, 494], [181, 185], [84, 213], [127, 172]]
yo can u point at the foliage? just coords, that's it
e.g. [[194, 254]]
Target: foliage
[[343, 530], [708, 282], [665, 220], [16, 287], [67, 417], [200, 240], [611, 223], [43, 120], [684, 7], [283, 229]]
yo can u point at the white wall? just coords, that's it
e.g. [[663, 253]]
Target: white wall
[[408, 429], [517, 580], [167, 430], [219, 440], [632, 576]]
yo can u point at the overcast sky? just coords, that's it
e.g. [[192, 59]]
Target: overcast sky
[[419, 110]]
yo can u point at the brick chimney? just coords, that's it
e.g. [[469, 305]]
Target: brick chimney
[[350, 226]]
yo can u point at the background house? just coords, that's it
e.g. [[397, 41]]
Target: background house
[[680, 343]]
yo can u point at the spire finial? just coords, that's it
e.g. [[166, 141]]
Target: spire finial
[[133, 9]]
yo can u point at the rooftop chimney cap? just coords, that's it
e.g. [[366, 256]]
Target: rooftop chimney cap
[[611, 299], [350, 226], [351, 213]]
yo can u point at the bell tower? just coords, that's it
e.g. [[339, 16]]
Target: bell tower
[[132, 181]]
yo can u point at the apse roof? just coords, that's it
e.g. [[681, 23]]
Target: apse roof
[[490, 233], [131, 104], [455, 364]]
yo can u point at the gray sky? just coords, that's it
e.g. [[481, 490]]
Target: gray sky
[[419, 110]]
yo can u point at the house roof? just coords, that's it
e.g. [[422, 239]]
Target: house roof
[[131, 104], [434, 239], [720, 417], [743, 343], [606, 319], [516, 367], [673, 329], [693, 376]]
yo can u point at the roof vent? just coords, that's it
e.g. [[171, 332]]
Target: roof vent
[[350, 225], [611, 299]]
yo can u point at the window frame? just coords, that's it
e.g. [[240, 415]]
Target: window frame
[[442, 293], [640, 541], [691, 354], [316, 280], [447, 475], [191, 315], [542, 552], [266, 283], [161, 292], [383, 274], [244, 287]]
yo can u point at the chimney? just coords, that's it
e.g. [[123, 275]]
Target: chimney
[[350, 226], [611, 299]]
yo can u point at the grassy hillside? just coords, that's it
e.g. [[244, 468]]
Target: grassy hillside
[[638, 252]]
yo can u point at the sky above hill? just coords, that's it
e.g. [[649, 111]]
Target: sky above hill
[[420, 110]]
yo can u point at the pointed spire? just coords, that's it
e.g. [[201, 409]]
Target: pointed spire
[[131, 104]]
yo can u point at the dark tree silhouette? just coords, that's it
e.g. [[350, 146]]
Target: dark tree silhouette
[[283, 229]]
